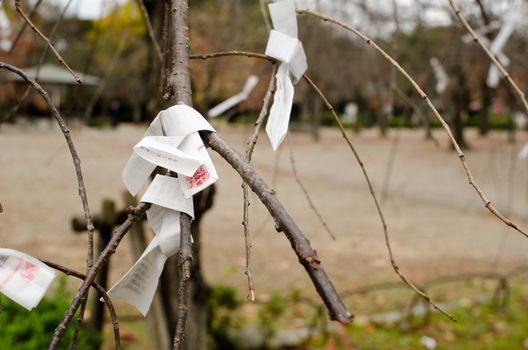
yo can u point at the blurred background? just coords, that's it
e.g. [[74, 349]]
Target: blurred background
[[443, 238]]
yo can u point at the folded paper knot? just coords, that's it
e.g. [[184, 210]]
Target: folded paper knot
[[23, 278], [172, 142], [284, 45]]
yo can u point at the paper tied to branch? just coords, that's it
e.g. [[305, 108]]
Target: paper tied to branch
[[231, 102], [284, 45], [172, 142], [23, 278]]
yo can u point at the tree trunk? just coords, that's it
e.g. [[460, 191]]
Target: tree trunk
[[196, 330], [460, 102], [180, 88]]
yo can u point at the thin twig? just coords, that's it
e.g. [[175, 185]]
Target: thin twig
[[266, 102], [108, 74], [307, 195], [487, 203], [394, 265], [150, 30], [301, 246], [111, 310], [135, 215], [264, 14], [48, 41], [56, 27], [505, 75], [418, 110], [23, 27], [232, 53], [66, 132]]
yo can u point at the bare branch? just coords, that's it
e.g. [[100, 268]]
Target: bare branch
[[264, 13], [100, 289], [487, 203], [307, 256], [48, 41], [23, 27], [505, 75], [307, 195], [394, 265], [232, 53], [133, 217], [40, 62], [66, 132], [249, 152], [150, 30]]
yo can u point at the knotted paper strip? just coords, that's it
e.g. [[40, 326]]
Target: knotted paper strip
[[231, 102], [172, 141], [23, 278], [284, 45]]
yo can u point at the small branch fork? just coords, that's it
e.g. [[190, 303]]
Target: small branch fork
[[487, 203], [111, 310], [134, 216], [48, 41], [506, 76], [359, 161]]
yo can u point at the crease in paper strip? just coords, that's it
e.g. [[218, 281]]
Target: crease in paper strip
[[172, 141], [23, 278], [284, 45]]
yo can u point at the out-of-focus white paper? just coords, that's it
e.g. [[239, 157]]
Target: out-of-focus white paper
[[442, 79], [510, 22], [5, 29], [172, 141], [284, 45], [523, 154], [242, 96], [23, 278]]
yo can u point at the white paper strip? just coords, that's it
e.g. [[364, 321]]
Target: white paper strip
[[176, 121], [442, 79], [284, 45], [510, 22], [173, 142], [23, 278], [231, 102], [5, 29], [523, 154]]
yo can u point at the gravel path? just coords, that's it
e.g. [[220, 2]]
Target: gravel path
[[437, 223]]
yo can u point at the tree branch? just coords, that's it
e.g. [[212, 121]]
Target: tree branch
[[111, 310], [487, 203], [133, 217], [301, 246], [505, 75], [48, 41]]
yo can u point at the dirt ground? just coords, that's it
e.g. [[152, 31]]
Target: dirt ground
[[437, 223]]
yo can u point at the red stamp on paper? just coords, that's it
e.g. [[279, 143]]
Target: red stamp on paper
[[28, 271], [199, 178]]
